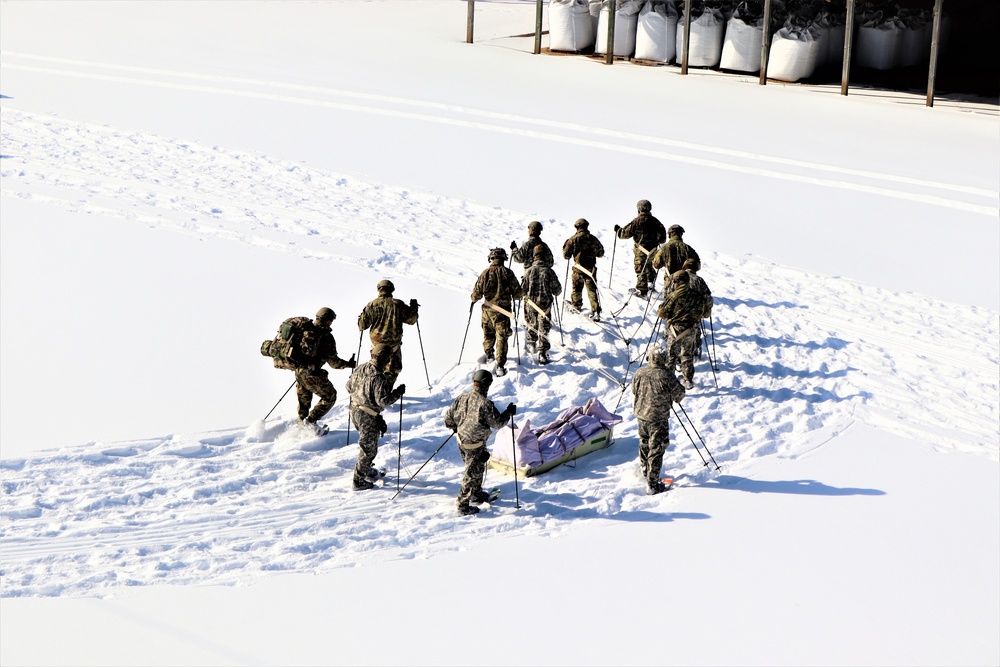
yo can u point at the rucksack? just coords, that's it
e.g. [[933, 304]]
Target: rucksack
[[296, 344]]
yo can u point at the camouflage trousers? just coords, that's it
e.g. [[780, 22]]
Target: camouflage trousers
[[538, 327], [309, 381], [645, 274], [369, 431], [682, 345], [578, 281], [394, 366], [654, 438], [496, 331], [475, 470]]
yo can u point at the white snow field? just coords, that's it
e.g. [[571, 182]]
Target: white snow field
[[178, 178]]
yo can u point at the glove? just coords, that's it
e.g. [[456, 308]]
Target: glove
[[382, 426], [400, 390], [513, 245], [618, 228], [351, 363], [413, 304], [511, 410]]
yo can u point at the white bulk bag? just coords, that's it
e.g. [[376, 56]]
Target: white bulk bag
[[570, 27], [595, 15], [879, 43], [794, 53], [706, 39], [916, 44], [742, 44], [626, 20], [656, 32]]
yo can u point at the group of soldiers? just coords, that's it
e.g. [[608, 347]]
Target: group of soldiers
[[472, 416]]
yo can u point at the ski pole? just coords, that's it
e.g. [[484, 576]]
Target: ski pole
[[695, 444], [715, 355], [423, 464], [350, 399], [684, 412], [279, 401], [513, 451], [566, 286], [399, 446], [517, 344], [421, 339], [471, 306], [612, 271], [711, 363]]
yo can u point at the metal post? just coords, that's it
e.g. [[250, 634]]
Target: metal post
[[935, 42], [687, 36], [848, 45], [538, 27], [469, 21], [765, 42], [612, 10]]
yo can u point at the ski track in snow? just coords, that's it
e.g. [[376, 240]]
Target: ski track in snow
[[801, 357]]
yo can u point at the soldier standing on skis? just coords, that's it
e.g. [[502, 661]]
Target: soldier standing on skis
[[371, 392], [654, 388], [682, 310], [498, 288], [674, 253], [648, 233], [696, 284], [316, 347], [526, 253], [473, 417], [584, 248], [385, 316], [540, 285]]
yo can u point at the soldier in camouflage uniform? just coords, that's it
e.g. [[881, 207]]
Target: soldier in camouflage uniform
[[371, 392], [540, 285], [673, 254], [697, 284], [526, 253], [648, 233], [311, 378], [385, 316], [473, 417], [498, 288], [682, 309], [584, 248], [654, 388]]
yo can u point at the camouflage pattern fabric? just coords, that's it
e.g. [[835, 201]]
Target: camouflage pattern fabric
[[384, 317], [541, 285], [498, 285], [369, 388], [579, 280], [584, 248], [474, 417], [326, 351], [475, 471], [672, 256], [526, 253], [648, 233], [654, 389], [496, 331], [682, 346], [654, 439], [369, 431], [683, 307], [696, 284], [309, 381]]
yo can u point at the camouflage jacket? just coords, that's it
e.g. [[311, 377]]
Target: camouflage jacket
[[673, 254], [584, 248], [526, 253], [654, 389], [540, 284], [369, 388], [698, 285], [683, 307], [473, 417], [326, 350], [385, 316], [497, 285], [645, 230]]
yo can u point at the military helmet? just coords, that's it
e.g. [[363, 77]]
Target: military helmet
[[325, 314], [385, 286], [483, 378], [534, 228], [657, 356], [581, 224], [690, 264], [498, 255], [644, 206], [675, 230], [681, 276]]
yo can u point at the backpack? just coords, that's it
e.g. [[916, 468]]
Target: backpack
[[296, 344]]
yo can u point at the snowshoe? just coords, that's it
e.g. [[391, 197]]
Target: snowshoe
[[467, 510], [596, 317], [375, 473], [543, 358], [314, 427], [660, 486], [363, 485], [573, 308], [486, 496], [500, 371]]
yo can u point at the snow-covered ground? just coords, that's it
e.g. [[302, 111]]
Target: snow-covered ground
[[305, 151]]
